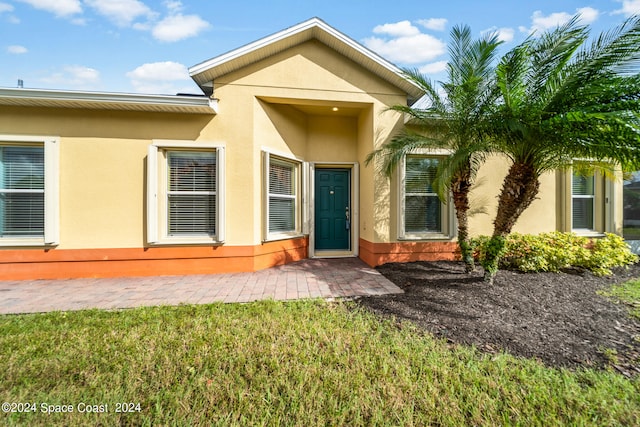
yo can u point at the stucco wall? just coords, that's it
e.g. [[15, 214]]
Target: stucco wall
[[102, 164], [282, 104], [538, 218], [285, 103]]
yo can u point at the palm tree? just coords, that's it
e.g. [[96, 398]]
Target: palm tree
[[452, 121], [561, 100]]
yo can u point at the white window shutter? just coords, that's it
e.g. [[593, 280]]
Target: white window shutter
[[220, 180], [265, 195], [52, 192], [305, 198], [152, 194]]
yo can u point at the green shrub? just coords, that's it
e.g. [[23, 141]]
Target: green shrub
[[555, 251], [545, 252], [610, 251]]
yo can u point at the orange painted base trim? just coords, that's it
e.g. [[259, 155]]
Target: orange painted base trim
[[375, 254], [30, 264]]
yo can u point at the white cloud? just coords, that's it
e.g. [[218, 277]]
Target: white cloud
[[61, 8], [541, 23], [406, 44], [435, 24], [174, 7], [398, 29], [505, 34], [178, 27], [5, 7], [434, 67], [16, 49], [121, 12], [588, 14], [142, 26], [74, 76], [166, 88], [85, 74], [167, 70], [159, 77], [629, 7]]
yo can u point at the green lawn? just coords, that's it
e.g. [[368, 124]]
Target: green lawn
[[299, 363]]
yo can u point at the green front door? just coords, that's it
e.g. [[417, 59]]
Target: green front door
[[332, 209]]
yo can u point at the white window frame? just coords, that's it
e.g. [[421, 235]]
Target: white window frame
[[51, 146], [591, 197], [604, 206], [447, 214], [267, 157], [157, 192]]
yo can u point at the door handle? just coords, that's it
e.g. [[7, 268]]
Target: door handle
[[347, 224]]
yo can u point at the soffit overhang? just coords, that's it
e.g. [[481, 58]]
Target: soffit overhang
[[183, 104], [314, 29]]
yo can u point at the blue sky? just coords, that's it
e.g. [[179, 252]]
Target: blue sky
[[143, 46]]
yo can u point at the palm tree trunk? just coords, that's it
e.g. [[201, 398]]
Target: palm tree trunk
[[460, 188], [519, 190]]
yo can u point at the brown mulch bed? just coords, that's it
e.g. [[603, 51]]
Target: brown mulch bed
[[557, 318]]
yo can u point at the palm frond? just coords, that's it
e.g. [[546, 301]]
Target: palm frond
[[613, 53], [407, 142], [613, 94], [511, 74], [550, 56], [435, 102], [587, 168]]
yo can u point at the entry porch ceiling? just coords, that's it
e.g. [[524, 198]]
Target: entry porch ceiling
[[321, 108]]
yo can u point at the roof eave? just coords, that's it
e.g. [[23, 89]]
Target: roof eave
[[107, 101]]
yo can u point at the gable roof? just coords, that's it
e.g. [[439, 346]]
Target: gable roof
[[206, 72]]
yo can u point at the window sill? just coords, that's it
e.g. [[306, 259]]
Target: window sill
[[35, 243], [183, 241], [277, 237], [425, 237], [588, 233]]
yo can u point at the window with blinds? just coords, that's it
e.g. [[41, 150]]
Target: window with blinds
[[583, 197], [22, 198], [282, 196], [191, 193], [422, 208]]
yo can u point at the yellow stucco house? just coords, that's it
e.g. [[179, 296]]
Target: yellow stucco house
[[265, 168]]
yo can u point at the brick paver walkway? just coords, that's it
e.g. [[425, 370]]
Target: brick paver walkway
[[310, 278]]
